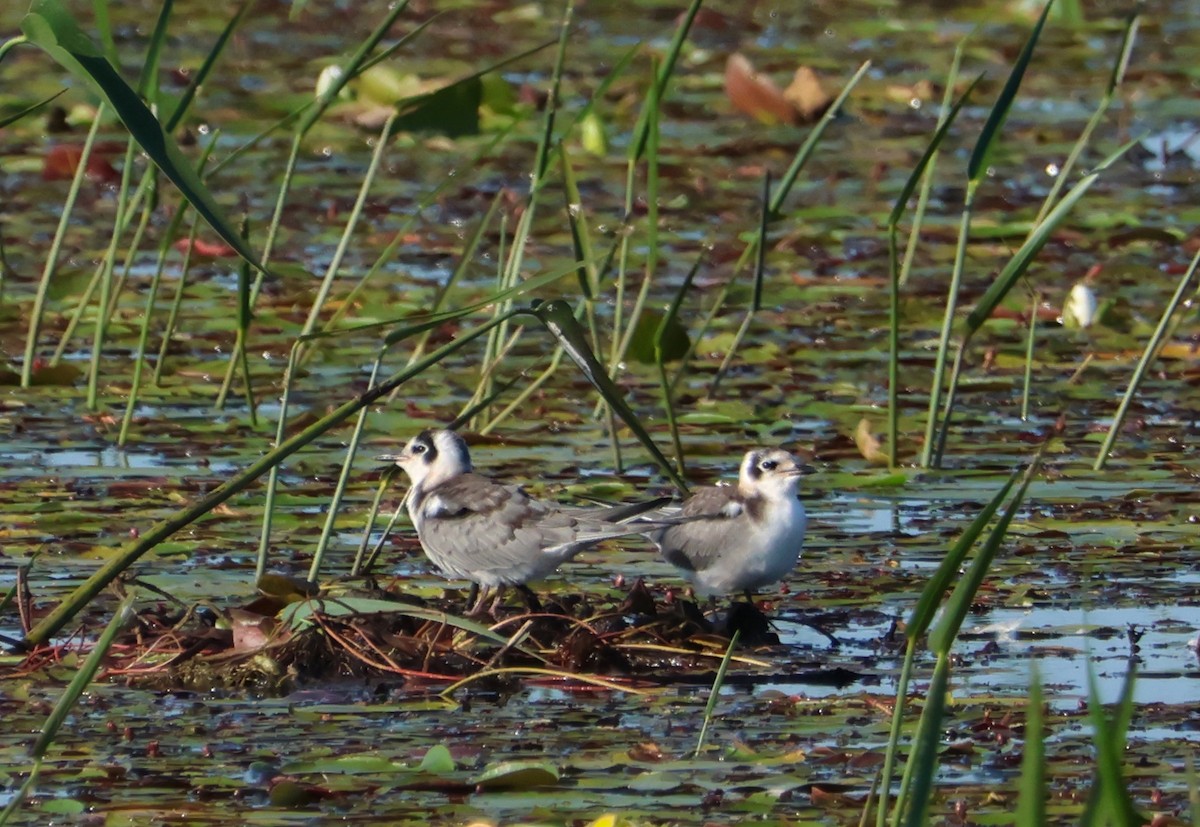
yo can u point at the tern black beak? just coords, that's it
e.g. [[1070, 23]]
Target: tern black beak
[[392, 460]]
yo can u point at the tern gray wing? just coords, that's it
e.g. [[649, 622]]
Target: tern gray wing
[[713, 520], [482, 530]]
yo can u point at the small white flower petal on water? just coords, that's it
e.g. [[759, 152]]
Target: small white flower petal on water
[[1081, 308]]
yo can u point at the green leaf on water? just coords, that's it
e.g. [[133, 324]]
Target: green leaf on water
[[452, 111], [675, 339], [62, 806], [517, 775], [438, 761]]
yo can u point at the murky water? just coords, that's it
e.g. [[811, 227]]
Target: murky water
[[1091, 555]]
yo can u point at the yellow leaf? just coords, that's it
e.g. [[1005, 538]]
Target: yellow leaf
[[868, 445]]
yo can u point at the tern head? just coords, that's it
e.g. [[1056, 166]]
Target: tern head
[[432, 457], [769, 472]]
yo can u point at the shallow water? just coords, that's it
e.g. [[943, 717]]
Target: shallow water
[[1090, 554]]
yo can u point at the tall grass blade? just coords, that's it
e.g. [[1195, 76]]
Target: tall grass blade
[[147, 82], [58, 716], [935, 434], [351, 68], [1024, 256], [1003, 283], [1114, 81], [181, 107], [107, 291], [931, 149], [1032, 790], [715, 693], [803, 153], [1030, 341], [810, 143], [49, 25], [39, 298], [339, 253], [947, 570], [977, 165], [164, 250], [641, 130], [651, 264], [756, 290], [1109, 802], [666, 324], [919, 622], [918, 221], [1147, 359], [559, 319], [917, 782], [942, 635], [922, 763], [28, 110]]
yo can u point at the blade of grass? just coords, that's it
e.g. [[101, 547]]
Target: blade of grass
[[62, 710], [1115, 79], [918, 623], [780, 195], [916, 784], [106, 279], [1144, 362], [339, 253], [1013, 271], [958, 605], [928, 162], [898, 273], [1032, 790], [663, 326], [976, 171], [923, 760], [641, 129], [28, 110], [558, 318], [177, 113], [715, 693], [52, 255], [49, 25], [1109, 802], [164, 249], [1027, 384], [760, 266], [651, 263]]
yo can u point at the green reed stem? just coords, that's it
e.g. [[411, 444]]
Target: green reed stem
[[62, 710], [52, 255], [1144, 363], [939, 367], [106, 278], [1027, 385], [176, 303], [715, 693]]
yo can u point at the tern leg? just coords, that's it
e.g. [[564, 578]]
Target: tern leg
[[473, 594], [481, 598], [531, 599], [496, 603]]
